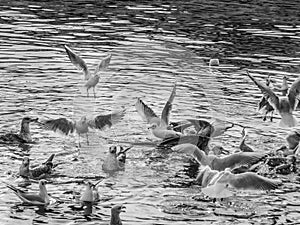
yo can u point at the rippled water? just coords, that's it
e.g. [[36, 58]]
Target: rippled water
[[153, 43]]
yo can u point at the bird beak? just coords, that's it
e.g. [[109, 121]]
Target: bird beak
[[123, 208], [34, 120], [224, 151], [127, 149]]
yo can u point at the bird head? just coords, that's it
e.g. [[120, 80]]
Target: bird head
[[26, 161], [42, 183], [29, 120], [112, 149], [153, 126], [117, 209]]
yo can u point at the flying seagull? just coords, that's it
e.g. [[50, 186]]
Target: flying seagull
[[91, 80], [284, 105], [217, 162], [82, 126], [159, 126], [24, 136], [40, 199]]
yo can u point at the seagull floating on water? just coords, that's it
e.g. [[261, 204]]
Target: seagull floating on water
[[284, 105], [24, 135], [115, 214], [82, 126], [220, 163], [214, 62], [91, 80], [159, 126], [39, 172], [40, 199], [223, 184], [115, 159]]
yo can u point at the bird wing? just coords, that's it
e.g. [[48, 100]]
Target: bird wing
[[145, 112], [78, 62], [165, 115], [293, 94], [103, 64], [268, 93], [31, 198], [101, 121], [50, 159], [249, 180], [201, 125], [236, 159], [61, 124]]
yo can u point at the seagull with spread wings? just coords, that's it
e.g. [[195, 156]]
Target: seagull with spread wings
[[159, 126], [82, 126], [220, 163], [91, 80], [223, 184], [40, 199], [284, 105], [39, 172]]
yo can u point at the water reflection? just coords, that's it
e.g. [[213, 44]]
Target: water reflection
[[153, 43]]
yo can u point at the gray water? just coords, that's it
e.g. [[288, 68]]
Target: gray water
[[153, 44]]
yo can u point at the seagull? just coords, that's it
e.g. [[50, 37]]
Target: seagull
[[40, 199], [159, 126], [285, 105], [82, 126], [284, 87], [243, 146], [214, 62], [115, 160], [39, 172], [220, 163], [265, 105], [115, 214], [91, 80], [218, 184], [87, 195], [24, 135]]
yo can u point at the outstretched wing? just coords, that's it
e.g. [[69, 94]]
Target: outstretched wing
[[293, 94], [253, 181], [103, 64], [78, 62], [236, 159], [102, 121], [146, 112], [268, 93], [165, 115], [61, 124]]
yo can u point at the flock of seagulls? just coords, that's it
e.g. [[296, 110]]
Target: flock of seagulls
[[221, 173]]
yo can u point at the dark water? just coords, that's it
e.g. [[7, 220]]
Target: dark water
[[153, 43]]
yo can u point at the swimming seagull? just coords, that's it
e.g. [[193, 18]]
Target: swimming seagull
[[214, 62], [219, 163], [82, 126], [284, 105], [115, 159], [159, 126], [223, 184], [91, 80], [38, 172], [24, 135], [115, 214], [243, 146], [40, 199]]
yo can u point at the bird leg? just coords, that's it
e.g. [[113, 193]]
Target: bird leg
[[87, 92], [79, 141], [94, 92], [87, 139]]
